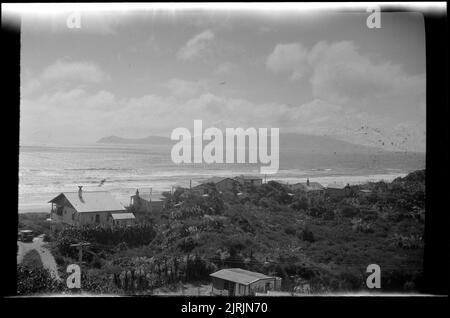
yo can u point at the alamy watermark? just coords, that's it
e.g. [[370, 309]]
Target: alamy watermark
[[214, 151], [374, 19]]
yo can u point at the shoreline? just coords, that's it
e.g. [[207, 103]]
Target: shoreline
[[324, 180]]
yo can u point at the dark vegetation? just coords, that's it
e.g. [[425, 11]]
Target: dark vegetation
[[310, 239], [32, 278], [34, 221]]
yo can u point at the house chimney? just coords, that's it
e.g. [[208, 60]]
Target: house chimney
[[307, 182], [80, 191]]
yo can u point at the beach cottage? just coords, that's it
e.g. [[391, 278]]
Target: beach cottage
[[249, 180], [223, 184], [147, 201], [312, 187], [241, 282], [88, 208], [337, 190]]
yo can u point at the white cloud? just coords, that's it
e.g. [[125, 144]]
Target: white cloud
[[340, 74], [74, 71], [288, 57], [196, 46], [80, 113], [183, 88], [225, 68], [77, 115]]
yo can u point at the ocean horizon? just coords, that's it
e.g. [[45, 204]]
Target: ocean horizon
[[46, 171]]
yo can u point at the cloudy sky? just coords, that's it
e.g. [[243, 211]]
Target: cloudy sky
[[139, 74]]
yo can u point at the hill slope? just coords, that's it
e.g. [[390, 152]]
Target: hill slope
[[299, 143]]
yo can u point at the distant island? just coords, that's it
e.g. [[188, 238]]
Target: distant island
[[300, 143], [147, 140]]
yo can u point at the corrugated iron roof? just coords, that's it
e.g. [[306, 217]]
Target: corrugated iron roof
[[91, 201], [239, 275], [216, 180], [336, 185], [122, 216], [247, 177], [280, 182], [311, 187], [150, 197]]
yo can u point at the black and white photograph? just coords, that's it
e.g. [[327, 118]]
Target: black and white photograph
[[229, 150]]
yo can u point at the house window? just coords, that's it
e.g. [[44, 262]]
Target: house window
[[97, 218]]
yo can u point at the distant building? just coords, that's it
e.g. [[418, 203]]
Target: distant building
[[308, 186], [249, 180], [240, 282], [223, 184], [85, 208], [282, 182], [364, 192], [337, 189], [123, 219], [147, 201]]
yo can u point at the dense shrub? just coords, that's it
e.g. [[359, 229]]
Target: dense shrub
[[290, 230], [349, 211], [307, 235], [136, 235], [32, 280]]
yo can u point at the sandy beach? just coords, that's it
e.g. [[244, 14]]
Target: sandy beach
[[123, 195]]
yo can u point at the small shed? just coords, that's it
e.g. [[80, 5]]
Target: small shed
[[122, 219], [241, 282]]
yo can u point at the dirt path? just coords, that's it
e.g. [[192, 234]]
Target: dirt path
[[46, 257], [186, 290]]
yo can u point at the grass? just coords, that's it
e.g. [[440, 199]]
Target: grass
[[35, 222]]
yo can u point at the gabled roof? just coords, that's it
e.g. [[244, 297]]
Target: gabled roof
[[122, 216], [90, 201], [280, 182], [216, 180], [239, 275], [244, 177], [154, 197], [312, 186], [336, 186]]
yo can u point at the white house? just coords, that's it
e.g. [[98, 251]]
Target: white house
[[88, 207]]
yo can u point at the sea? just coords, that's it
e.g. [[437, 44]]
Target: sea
[[46, 171]]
